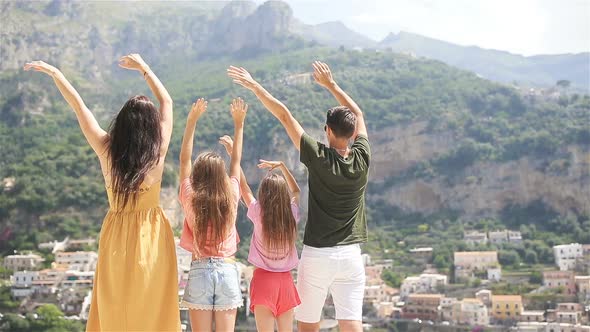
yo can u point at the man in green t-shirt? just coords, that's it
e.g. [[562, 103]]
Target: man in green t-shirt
[[336, 224]]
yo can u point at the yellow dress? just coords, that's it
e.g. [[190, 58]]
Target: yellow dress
[[136, 280]]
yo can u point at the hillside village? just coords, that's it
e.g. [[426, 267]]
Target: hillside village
[[428, 298]]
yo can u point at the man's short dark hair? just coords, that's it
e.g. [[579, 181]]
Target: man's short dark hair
[[341, 121]]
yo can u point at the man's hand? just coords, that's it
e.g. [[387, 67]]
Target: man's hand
[[198, 108], [241, 76], [322, 74], [228, 143]]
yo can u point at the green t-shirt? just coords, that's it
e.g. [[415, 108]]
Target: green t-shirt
[[336, 207]]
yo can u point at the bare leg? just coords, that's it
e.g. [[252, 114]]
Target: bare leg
[[225, 320], [201, 320], [265, 320], [350, 325], [308, 327], [285, 321]]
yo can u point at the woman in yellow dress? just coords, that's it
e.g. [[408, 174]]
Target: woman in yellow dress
[[136, 283]]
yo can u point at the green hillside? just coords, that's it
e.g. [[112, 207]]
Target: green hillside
[[451, 151]]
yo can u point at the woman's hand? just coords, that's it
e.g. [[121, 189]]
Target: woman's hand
[[42, 67], [134, 62]]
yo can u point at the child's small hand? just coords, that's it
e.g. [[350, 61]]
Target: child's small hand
[[228, 143], [198, 108], [238, 110], [269, 164]]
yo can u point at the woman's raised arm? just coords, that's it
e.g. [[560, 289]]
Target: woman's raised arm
[[135, 62], [94, 134]]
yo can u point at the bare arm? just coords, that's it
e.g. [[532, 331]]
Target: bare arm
[[238, 112], [323, 77], [291, 182], [94, 134], [135, 62], [245, 189], [278, 109], [186, 151]]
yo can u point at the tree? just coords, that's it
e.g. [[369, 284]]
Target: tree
[[536, 277], [49, 317], [15, 323], [6, 302], [531, 257], [508, 257], [391, 278]]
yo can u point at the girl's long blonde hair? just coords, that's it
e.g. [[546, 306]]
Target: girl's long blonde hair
[[213, 203], [278, 224]]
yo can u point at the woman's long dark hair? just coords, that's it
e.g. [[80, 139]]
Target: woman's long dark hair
[[135, 138]]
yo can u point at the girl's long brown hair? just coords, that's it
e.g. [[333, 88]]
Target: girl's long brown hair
[[213, 202], [134, 142], [278, 224]]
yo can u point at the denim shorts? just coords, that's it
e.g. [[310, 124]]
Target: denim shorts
[[213, 284]]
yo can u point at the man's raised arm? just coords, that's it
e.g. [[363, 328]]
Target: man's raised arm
[[323, 76], [240, 76]]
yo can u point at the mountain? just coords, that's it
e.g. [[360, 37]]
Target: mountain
[[333, 34], [544, 70], [448, 146]]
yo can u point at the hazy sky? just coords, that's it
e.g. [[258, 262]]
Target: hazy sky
[[519, 26]]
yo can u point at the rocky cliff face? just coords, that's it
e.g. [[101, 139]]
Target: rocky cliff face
[[242, 26], [483, 189]]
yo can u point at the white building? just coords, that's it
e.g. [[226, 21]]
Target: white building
[[24, 278], [566, 255], [485, 296], [22, 283], [514, 237], [468, 311], [422, 284], [494, 274], [469, 263], [422, 255], [28, 261], [498, 237], [475, 237], [366, 259], [77, 261]]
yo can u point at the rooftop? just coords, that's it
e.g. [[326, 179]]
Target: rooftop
[[471, 253], [506, 298]]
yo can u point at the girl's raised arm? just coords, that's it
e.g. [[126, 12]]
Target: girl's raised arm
[[186, 151], [238, 112], [245, 189], [291, 182]]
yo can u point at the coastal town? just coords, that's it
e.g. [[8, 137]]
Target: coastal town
[[463, 299]]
